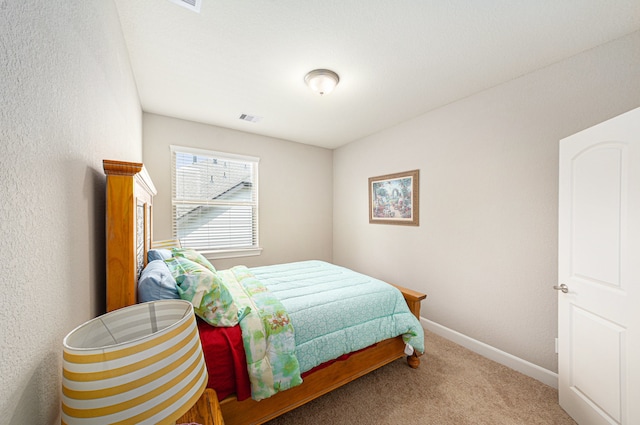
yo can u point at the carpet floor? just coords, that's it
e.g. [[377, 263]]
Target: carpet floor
[[452, 386]]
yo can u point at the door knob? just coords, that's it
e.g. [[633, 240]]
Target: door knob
[[564, 288]]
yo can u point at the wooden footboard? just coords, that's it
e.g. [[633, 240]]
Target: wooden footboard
[[412, 298], [318, 383], [321, 381]]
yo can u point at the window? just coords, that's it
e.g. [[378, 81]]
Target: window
[[215, 202]]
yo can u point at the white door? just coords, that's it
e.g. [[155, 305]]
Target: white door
[[599, 262]]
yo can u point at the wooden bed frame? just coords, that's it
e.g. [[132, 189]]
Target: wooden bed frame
[[129, 234]]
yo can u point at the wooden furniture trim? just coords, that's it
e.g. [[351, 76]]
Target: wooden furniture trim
[[129, 169], [121, 292], [128, 188], [413, 299], [205, 412]]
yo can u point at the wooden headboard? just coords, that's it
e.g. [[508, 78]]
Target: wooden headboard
[[130, 193]]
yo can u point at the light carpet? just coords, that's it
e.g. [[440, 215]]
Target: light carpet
[[453, 385]]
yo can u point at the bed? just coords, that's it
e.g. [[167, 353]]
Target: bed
[[129, 234]]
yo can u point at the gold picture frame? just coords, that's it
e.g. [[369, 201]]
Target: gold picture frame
[[394, 198]]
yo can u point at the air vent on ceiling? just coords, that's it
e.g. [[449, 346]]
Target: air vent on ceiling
[[193, 5], [250, 118]]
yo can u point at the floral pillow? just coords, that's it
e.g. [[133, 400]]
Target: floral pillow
[[193, 255], [210, 297]]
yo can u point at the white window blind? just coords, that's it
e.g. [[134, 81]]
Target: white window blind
[[215, 200]]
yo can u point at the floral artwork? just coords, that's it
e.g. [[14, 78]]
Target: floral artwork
[[393, 198]]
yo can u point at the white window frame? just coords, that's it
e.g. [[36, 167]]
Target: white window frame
[[227, 251]]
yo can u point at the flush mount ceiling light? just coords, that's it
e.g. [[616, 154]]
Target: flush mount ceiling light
[[322, 81]]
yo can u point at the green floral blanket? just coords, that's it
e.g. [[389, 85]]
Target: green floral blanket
[[267, 333]]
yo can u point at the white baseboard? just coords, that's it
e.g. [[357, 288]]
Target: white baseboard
[[534, 371]]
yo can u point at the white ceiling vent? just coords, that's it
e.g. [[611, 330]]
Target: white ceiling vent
[[193, 5], [250, 118]]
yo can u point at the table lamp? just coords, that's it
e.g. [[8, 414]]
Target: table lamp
[[141, 364]]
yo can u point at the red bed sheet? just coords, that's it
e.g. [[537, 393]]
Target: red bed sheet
[[225, 359]]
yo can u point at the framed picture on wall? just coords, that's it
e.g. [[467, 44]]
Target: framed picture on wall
[[394, 198]]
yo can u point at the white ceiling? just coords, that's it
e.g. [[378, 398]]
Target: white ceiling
[[396, 59]]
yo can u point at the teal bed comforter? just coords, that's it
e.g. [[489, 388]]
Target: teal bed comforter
[[335, 310], [295, 316]]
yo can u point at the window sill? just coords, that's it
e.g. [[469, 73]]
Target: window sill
[[231, 253]]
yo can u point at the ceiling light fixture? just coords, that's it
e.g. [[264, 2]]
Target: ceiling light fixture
[[322, 81]]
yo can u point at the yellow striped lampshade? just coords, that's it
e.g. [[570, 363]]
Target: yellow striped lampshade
[[141, 364]]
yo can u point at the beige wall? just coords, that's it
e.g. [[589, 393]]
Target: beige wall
[[485, 251], [67, 100], [486, 248], [295, 188]]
